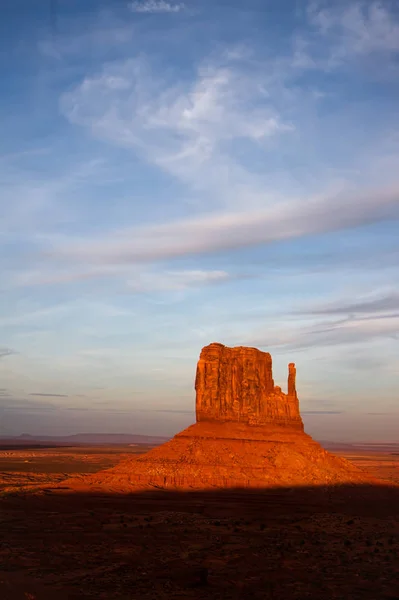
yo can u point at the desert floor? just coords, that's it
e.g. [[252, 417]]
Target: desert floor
[[297, 543]]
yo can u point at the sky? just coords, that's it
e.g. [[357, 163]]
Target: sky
[[178, 173]]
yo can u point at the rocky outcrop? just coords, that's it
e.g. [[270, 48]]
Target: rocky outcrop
[[248, 434], [236, 384]]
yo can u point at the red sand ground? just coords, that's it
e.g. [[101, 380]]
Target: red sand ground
[[333, 542]]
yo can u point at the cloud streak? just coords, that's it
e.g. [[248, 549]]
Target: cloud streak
[[16, 404], [357, 31], [322, 412], [229, 231], [137, 281], [156, 7], [189, 130], [49, 395], [174, 411], [330, 333], [6, 352], [176, 280], [186, 128], [247, 194], [362, 27], [388, 302]]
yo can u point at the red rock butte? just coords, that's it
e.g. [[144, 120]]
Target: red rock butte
[[248, 433], [236, 384]]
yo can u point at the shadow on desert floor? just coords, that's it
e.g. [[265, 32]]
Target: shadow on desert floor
[[310, 542]]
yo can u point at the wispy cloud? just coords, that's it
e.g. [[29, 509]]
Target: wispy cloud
[[382, 303], [355, 29], [337, 258], [190, 130], [17, 404], [156, 6], [6, 352], [49, 395], [184, 127], [375, 317], [352, 331], [174, 411], [322, 412], [136, 280], [329, 333], [176, 280], [224, 231], [265, 172]]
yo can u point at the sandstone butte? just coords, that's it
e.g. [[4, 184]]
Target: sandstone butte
[[248, 434]]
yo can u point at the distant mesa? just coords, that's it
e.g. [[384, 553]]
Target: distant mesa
[[248, 434]]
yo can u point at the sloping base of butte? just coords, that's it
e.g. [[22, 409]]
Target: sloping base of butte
[[248, 434]]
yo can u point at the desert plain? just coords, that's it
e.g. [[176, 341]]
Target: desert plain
[[137, 521], [282, 543]]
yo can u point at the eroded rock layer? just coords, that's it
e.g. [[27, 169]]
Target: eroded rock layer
[[228, 455]]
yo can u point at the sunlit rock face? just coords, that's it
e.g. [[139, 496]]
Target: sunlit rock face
[[248, 434], [236, 384]]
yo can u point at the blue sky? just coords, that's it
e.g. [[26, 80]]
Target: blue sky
[[178, 173]]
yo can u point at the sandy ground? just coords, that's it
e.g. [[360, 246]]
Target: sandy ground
[[333, 542]]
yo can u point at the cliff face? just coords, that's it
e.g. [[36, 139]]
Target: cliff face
[[236, 384]]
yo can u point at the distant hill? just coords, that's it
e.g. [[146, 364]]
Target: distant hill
[[104, 439], [84, 438], [357, 446], [329, 445]]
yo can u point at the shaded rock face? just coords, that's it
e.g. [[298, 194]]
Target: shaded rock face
[[236, 384]]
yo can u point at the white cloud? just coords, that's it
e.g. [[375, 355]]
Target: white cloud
[[186, 128], [351, 331], [229, 230], [156, 6], [132, 279], [356, 318], [328, 333], [358, 29], [49, 275], [374, 303], [204, 131], [176, 280]]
